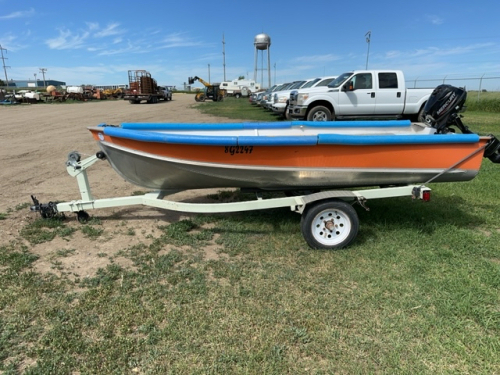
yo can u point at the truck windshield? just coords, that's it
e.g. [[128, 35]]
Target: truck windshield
[[296, 85], [337, 82], [310, 83]]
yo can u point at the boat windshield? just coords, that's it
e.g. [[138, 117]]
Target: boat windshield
[[337, 82]]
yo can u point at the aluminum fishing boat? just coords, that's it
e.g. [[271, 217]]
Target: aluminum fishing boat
[[293, 155]]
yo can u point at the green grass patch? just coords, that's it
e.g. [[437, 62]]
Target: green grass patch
[[486, 102], [236, 109], [45, 230]]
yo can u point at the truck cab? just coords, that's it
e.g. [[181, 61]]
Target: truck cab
[[360, 94]]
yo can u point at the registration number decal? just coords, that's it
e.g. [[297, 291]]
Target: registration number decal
[[231, 150]]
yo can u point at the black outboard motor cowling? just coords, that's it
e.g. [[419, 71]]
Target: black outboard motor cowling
[[443, 106], [442, 112]]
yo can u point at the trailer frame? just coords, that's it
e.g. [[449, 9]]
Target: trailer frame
[[335, 225]]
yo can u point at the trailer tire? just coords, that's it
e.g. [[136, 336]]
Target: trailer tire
[[237, 95], [330, 224], [82, 217], [319, 113]]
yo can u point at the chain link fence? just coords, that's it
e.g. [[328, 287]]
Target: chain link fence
[[480, 83]]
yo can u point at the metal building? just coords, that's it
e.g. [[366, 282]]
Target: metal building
[[32, 83]]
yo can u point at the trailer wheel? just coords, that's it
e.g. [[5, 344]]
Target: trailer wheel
[[319, 113], [82, 217], [330, 224], [237, 95]]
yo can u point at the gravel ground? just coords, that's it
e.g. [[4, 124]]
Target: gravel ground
[[34, 143]]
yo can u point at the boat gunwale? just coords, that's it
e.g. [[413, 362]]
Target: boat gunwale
[[264, 125], [287, 140]]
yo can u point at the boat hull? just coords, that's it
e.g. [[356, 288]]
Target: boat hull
[[183, 166]]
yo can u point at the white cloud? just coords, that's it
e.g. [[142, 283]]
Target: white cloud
[[11, 43], [136, 47], [429, 52], [71, 40], [111, 29], [317, 58], [68, 40], [178, 40], [435, 20], [19, 14], [92, 25]]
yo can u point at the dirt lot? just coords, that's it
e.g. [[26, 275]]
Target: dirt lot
[[34, 143]]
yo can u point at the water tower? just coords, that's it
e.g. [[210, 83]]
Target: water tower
[[262, 42]]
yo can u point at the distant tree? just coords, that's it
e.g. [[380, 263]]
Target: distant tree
[[2, 83], [241, 77]]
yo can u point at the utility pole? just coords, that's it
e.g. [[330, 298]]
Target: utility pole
[[36, 83], [43, 70], [4, 66], [224, 56], [368, 37]]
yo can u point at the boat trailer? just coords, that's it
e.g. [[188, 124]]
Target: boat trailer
[[328, 220]]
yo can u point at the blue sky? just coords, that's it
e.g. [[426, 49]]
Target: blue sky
[[91, 42]]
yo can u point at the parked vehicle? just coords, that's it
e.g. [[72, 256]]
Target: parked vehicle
[[360, 94], [266, 100], [281, 98], [239, 87], [27, 96], [211, 91], [256, 97], [143, 87], [168, 92], [35, 95]]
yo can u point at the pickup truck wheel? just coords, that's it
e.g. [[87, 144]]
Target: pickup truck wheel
[[319, 113], [287, 115], [420, 116], [237, 96]]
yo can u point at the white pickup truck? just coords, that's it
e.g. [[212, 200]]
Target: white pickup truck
[[281, 98], [360, 94]]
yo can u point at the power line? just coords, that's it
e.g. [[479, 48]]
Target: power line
[[224, 56], [43, 70], [3, 63]]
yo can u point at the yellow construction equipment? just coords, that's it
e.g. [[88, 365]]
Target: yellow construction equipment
[[212, 92]]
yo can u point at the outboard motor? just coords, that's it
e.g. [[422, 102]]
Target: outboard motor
[[442, 108], [442, 111]]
